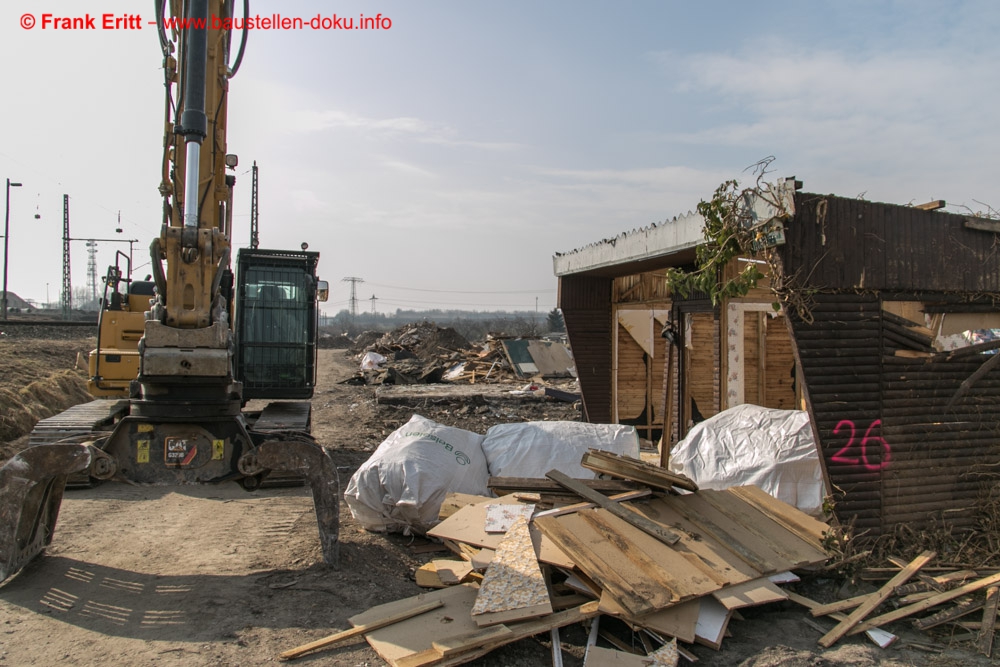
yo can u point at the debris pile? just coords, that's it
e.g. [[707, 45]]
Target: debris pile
[[424, 353], [673, 563]]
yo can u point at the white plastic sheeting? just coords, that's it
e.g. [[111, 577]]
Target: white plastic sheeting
[[531, 449], [748, 444], [400, 488]]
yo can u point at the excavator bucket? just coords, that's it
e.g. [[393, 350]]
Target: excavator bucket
[[31, 490]]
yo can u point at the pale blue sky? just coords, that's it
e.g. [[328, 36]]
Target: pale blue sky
[[454, 153]]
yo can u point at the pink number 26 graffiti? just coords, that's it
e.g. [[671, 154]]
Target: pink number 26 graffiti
[[869, 439]]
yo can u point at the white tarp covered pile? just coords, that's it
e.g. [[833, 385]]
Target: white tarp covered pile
[[748, 444], [400, 488]]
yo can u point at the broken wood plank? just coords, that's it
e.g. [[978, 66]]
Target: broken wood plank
[[360, 630], [984, 643], [637, 471], [962, 607], [505, 485], [648, 526], [875, 599], [576, 507], [514, 587], [923, 605], [880, 637]]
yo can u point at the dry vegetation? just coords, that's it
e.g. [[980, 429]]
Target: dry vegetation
[[40, 378]]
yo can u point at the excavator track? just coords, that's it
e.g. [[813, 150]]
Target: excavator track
[[79, 423]]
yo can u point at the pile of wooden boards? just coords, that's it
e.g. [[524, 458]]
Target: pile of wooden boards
[[674, 567]]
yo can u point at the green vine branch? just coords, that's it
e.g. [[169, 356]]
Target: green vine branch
[[730, 231]]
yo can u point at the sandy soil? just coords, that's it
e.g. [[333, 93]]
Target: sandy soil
[[218, 576]]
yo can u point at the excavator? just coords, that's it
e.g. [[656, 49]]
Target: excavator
[[180, 354]]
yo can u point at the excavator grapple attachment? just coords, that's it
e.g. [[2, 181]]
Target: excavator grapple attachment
[[31, 490], [315, 465]]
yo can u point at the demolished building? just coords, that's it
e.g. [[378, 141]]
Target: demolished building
[[875, 335]]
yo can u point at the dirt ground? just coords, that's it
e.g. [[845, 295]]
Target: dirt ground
[[213, 575]]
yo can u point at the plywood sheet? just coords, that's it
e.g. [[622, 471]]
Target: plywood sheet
[[639, 571], [758, 591], [468, 525], [678, 621], [598, 656], [419, 633]]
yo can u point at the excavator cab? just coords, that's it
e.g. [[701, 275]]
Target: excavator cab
[[276, 322]]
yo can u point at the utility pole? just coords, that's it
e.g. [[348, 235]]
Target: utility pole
[[373, 303], [67, 286], [354, 294], [92, 267], [6, 243], [254, 238]]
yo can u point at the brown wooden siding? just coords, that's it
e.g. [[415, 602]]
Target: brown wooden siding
[[835, 243], [893, 449], [586, 308]]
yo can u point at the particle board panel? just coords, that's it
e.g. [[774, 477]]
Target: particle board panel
[[513, 588]]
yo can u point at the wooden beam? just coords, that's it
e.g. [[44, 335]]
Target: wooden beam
[[985, 640], [657, 530], [359, 630], [958, 610], [576, 507], [879, 636], [638, 471], [931, 205], [983, 225], [875, 599]]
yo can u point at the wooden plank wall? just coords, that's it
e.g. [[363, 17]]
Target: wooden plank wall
[[631, 377], [779, 362], [894, 450], [701, 367]]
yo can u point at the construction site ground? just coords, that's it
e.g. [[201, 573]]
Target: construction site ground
[[213, 575]]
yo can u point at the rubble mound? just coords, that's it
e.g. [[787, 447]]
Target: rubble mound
[[329, 341], [365, 340], [424, 339]]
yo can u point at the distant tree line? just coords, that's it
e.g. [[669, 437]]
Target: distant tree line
[[473, 325]]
